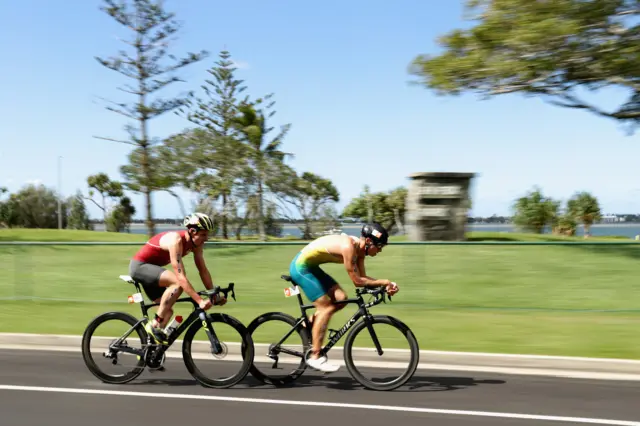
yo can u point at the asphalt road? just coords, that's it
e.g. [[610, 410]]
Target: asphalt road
[[30, 394]]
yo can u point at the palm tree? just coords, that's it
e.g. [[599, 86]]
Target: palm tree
[[534, 211], [584, 208], [264, 157]]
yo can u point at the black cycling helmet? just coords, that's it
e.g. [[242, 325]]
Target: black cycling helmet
[[376, 233]]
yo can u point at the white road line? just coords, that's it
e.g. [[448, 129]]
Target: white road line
[[324, 404]]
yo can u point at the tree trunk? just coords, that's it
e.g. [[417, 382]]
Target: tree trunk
[[225, 234], [243, 222], [396, 214], [261, 231], [182, 210], [146, 189], [104, 213], [307, 229], [144, 143]]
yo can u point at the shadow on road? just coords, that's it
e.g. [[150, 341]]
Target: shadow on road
[[166, 382], [416, 384]]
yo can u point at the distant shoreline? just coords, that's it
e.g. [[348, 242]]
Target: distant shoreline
[[597, 225], [355, 225]]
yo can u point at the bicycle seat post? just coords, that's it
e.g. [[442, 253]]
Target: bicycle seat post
[[143, 305]]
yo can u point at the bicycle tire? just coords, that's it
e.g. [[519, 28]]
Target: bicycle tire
[[306, 342], [413, 344], [246, 348], [88, 359]]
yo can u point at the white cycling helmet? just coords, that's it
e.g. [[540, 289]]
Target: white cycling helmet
[[198, 221]]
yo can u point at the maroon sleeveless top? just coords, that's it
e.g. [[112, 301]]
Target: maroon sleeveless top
[[152, 253]]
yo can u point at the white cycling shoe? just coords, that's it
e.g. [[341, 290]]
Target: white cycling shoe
[[322, 364]]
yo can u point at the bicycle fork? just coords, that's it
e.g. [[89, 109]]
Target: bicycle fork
[[374, 336], [216, 346]]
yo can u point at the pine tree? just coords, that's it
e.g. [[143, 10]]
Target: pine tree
[[152, 27], [221, 152]]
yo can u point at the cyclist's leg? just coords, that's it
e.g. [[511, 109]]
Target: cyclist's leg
[[172, 291], [324, 310], [316, 285], [149, 276], [311, 287], [335, 293], [332, 292], [333, 289]]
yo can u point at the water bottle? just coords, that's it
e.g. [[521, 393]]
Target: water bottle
[[175, 323]]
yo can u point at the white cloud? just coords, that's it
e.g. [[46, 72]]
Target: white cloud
[[34, 182]]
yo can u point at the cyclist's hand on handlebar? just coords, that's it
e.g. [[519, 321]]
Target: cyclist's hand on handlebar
[[220, 299], [392, 288], [204, 304]]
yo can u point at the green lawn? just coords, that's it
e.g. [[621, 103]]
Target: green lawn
[[557, 300]]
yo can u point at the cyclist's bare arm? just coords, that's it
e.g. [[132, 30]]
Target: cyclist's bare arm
[[174, 245], [353, 268], [361, 268], [205, 275]]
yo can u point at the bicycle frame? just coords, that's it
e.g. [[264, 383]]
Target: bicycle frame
[[196, 314], [362, 312]]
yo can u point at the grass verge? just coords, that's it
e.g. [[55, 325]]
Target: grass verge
[[555, 300]]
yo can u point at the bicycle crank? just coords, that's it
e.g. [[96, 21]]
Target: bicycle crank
[[152, 361]]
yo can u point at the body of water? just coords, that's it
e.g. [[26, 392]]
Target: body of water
[[628, 230]]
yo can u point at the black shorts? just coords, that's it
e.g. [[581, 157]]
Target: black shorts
[[148, 275]]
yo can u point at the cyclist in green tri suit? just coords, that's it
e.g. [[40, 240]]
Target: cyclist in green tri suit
[[322, 290]]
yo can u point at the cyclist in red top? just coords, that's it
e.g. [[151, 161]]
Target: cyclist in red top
[[170, 247]]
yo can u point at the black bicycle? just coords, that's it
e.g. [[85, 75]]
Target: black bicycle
[[302, 326], [152, 355]]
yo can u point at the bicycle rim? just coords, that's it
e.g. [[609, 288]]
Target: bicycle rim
[[394, 367], [212, 370], [95, 346], [268, 331]]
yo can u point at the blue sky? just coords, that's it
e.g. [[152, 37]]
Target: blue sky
[[339, 74]]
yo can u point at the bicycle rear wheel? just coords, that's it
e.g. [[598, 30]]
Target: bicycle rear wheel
[[287, 339], [110, 349], [237, 349], [401, 333]]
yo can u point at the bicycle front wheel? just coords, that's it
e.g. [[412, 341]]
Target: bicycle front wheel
[[237, 351], [281, 346], [401, 344]]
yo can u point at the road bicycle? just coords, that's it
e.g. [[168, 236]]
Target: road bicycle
[[302, 326], [152, 355]]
